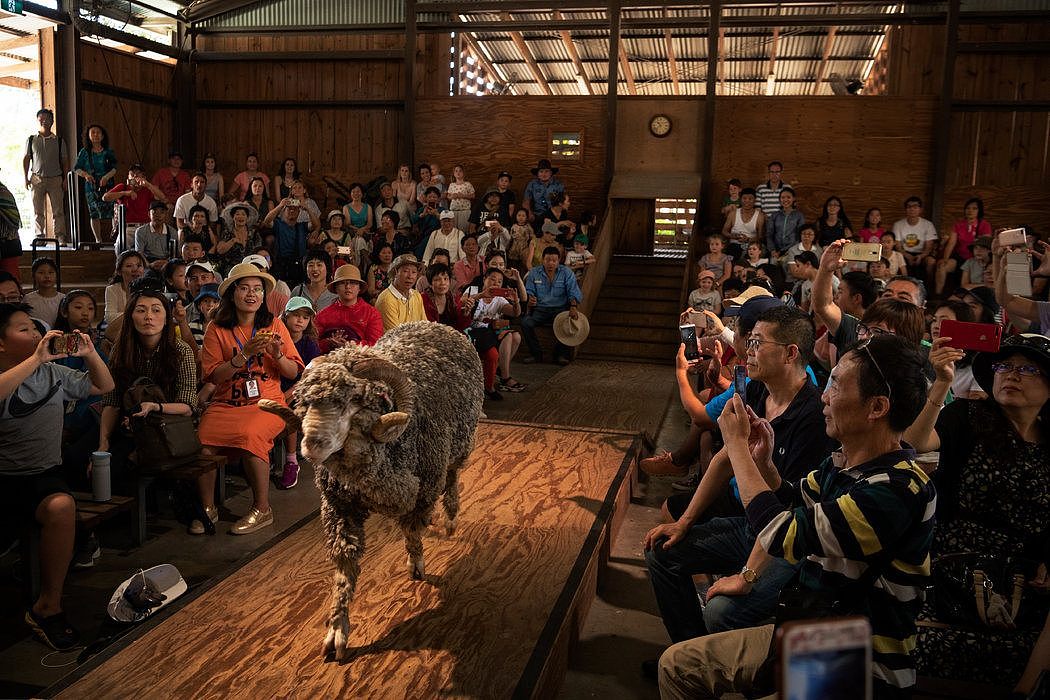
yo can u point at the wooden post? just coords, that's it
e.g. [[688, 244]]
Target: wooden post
[[942, 123], [185, 94], [612, 86], [707, 136], [408, 138], [69, 105]]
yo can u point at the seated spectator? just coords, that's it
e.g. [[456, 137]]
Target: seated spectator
[[243, 182], [781, 394], [334, 230], [490, 329], [350, 319], [290, 235], [425, 183], [744, 224], [833, 524], [557, 214], [1037, 313], [872, 230], [136, 195], [540, 191], [156, 240], [282, 181], [146, 347], [172, 180], [941, 261], [308, 209], [992, 495], [358, 213], [755, 256], [192, 249], [438, 257], [806, 243], [782, 228], [716, 261], [551, 289], [522, 237], [916, 235], [204, 305], [507, 201], [33, 392], [239, 239], [257, 197], [197, 226], [488, 209], [196, 197], [45, 298], [174, 276], [805, 271], [448, 237], [514, 279], [390, 234], [705, 297], [731, 199], [894, 259], [964, 385], [977, 270], [440, 303], [546, 239], [469, 265], [833, 223], [276, 300], [199, 273], [427, 218], [131, 265], [317, 268], [246, 351], [579, 258], [880, 271], [388, 202], [379, 270], [298, 317], [493, 237], [981, 301], [400, 302]]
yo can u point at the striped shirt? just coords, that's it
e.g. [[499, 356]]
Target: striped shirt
[[767, 198], [844, 520]]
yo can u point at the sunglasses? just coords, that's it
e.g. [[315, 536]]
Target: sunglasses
[[871, 359]]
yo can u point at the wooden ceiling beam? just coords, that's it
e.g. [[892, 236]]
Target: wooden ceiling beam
[[18, 43], [476, 50], [628, 74], [526, 53], [721, 61], [21, 83], [828, 42], [672, 61], [18, 68], [570, 47]]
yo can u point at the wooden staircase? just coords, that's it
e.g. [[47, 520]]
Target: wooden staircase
[[635, 318]]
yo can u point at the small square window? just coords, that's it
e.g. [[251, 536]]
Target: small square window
[[565, 145]]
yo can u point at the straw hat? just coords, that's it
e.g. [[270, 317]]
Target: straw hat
[[227, 214], [345, 273], [571, 331], [242, 270], [401, 260]]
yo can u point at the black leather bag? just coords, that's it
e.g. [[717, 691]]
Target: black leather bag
[[161, 441], [981, 590]]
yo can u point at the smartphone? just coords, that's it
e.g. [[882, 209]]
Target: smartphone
[[740, 381], [1012, 236], [500, 292], [972, 336], [171, 296], [688, 332], [1018, 274], [293, 202], [862, 252], [344, 250], [65, 344], [826, 659], [471, 290]]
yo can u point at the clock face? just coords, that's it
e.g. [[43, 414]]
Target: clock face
[[660, 125]]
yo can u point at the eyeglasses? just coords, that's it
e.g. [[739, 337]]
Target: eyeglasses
[[1023, 370], [864, 331], [871, 358], [752, 344]]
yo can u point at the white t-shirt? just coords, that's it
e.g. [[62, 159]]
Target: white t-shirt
[[487, 311], [186, 202], [913, 238]]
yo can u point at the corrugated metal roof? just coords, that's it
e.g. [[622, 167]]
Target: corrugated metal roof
[[318, 13]]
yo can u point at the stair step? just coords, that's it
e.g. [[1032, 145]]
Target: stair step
[[662, 336], [657, 307], [643, 281], [627, 351], [634, 318], [641, 293]]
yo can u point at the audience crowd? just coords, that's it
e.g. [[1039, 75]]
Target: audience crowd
[[845, 456]]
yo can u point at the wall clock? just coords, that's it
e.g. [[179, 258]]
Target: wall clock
[[660, 125]]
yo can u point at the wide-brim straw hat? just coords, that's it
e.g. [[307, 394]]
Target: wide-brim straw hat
[[242, 270], [571, 331], [345, 273], [227, 214]]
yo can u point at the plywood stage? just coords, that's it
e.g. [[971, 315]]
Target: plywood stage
[[500, 605]]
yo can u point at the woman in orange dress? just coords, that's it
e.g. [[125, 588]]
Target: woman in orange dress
[[246, 352]]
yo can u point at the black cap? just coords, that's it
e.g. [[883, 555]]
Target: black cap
[[504, 173], [157, 204]]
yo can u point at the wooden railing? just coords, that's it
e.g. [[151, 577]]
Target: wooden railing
[[595, 277]]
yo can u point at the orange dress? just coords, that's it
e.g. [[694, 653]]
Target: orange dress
[[234, 420]]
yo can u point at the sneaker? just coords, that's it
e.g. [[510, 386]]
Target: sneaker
[[54, 630], [662, 465], [255, 520], [689, 483], [197, 527], [494, 395], [87, 553], [290, 477]]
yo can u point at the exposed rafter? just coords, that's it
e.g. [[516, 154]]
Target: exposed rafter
[[526, 53], [17, 69], [574, 55], [672, 61], [822, 69], [628, 74], [721, 61], [19, 43], [21, 83], [485, 63]]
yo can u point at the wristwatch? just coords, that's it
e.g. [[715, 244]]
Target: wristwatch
[[750, 575]]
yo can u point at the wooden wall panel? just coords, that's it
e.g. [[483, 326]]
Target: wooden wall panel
[[490, 134], [637, 150]]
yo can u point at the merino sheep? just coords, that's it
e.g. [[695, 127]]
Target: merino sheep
[[388, 428]]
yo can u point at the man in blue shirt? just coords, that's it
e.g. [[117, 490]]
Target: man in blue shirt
[[290, 238], [540, 189], [552, 288]]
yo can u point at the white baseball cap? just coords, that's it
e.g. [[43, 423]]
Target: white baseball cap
[[257, 260], [447, 214]]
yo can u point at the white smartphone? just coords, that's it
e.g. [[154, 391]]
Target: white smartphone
[[471, 290], [1012, 236], [1018, 274], [826, 659]]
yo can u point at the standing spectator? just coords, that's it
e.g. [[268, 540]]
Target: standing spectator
[[460, 197], [172, 180], [33, 392], [783, 226], [136, 196], [400, 302], [242, 182], [744, 224], [540, 190], [215, 185], [508, 203], [552, 289], [45, 297], [10, 243], [196, 197], [521, 236], [45, 164], [833, 223], [915, 234], [97, 165], [768, 193], [871, 231], [130, 266], [289, 238], [350, 319], [426, 182], [155, 240], [448, 237], [282, 181], [358, 212]]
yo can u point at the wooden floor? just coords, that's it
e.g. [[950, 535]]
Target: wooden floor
[[591, 394], [494, 617]]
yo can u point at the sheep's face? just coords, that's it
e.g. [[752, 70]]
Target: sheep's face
[[340, 412]]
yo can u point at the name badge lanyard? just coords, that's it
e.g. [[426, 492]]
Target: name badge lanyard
[[240, 346], [251, 386]]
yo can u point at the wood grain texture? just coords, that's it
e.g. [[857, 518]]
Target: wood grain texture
[[530, 498]]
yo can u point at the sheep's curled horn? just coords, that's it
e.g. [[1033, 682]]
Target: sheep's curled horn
[[380, 370]]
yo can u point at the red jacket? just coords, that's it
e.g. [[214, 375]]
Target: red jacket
[[361, 320]]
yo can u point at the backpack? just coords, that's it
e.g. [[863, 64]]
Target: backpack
[[162, 441]]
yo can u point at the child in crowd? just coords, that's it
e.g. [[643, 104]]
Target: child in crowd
[[872, 230], [705, 297], [880, 270], [756, 256], [332, 248], [732, 198], [898, 266], [45, 297], [192, 249], [716, 261], [521, 237], [579, 258], [547, 238], [807, 242], [298, 317], [206, 301], [976, 271]]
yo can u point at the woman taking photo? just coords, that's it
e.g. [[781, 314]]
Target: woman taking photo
[[131, 265], [97, 165], [964, 386], [246, 352], [490, 328], [317, 267], [993, 492], [357, 212]]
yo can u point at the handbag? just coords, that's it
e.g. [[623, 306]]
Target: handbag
[[979, 590], [162, 441]]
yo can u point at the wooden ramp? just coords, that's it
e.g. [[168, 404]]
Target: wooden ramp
[[501, 603]]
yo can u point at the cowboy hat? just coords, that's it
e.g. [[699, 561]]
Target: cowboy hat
[[242, 270], [1033, 346], [571, 331], [347, 273], [401, 260], [544, 164]]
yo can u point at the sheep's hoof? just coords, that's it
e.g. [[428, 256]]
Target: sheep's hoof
[[415, 566], [335, 641]]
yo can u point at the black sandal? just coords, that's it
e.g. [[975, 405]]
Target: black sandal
[[54, 630], [515, 387]]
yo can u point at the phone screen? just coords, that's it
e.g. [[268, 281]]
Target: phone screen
[[826, 659], [688, 332], [740, 380]]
